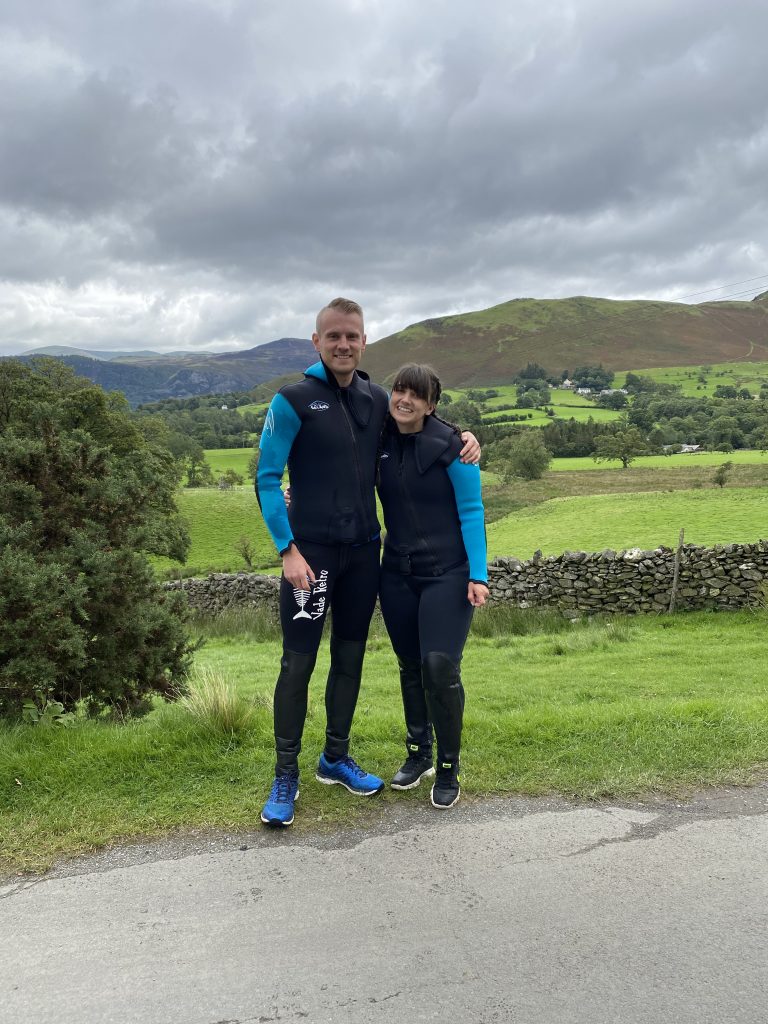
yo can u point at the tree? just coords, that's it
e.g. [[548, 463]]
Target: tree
[[253, 463], [244, 547], [595, 377], [521, 455], [625, 444], [231, 478], [88, 492], [533, 372], [720, 476], [616, 400], [197, 468], [466, 414]]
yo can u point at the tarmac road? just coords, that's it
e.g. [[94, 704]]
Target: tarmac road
[[504, 911]]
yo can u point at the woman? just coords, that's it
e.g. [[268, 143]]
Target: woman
[[433, 574]]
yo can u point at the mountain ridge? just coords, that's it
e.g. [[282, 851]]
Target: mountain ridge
[[489, 346], [481, 347]]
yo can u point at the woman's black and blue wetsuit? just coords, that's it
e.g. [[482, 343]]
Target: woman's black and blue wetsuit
[[434, 545]]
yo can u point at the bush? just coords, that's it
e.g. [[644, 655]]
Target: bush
[[88, 492], [524, 455]]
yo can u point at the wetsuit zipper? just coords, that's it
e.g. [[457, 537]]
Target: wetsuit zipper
[[356, 458], [411, 507]]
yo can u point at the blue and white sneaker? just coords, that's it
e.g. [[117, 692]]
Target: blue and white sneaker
[[348, 774], [278, 810]]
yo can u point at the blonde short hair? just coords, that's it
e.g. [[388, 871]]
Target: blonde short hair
[[342, 305]]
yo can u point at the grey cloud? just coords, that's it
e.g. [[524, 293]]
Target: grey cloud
[[280, 154]]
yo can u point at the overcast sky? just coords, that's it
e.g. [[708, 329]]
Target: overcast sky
[[205, 174]]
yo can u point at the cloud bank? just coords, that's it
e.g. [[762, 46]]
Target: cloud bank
[[208, 173]]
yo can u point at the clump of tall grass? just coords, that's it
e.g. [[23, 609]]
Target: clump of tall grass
[[213, 702], [508, 620], [595, 634], [258, 623]]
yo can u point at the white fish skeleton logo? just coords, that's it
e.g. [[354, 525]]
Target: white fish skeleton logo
[[269, 424], [302, 596], [314, 598]]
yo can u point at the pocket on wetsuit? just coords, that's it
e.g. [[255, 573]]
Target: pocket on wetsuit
[[344, 527]]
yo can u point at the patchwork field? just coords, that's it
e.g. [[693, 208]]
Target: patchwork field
[[741, 375]]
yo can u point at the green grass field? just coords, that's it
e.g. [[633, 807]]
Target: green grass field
[[742, 375], [552, 711], [217, 519], [539, 417], [632, 520], [689, 461], [222, 459]]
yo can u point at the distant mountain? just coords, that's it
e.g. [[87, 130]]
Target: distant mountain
[[490, 346], [108, 356], [150, 379], [484, 347]]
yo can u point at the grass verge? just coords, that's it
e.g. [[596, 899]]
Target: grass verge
[[594, 709]]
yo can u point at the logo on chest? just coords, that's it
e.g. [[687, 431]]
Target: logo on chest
[[319, 406]]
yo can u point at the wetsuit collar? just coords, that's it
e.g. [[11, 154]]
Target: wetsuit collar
[[432, 441], [358, 394]]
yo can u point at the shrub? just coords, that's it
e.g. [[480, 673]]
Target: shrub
[[88, 491]]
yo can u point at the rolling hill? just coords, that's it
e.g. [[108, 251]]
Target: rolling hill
[[489, 346], [485, 347], [149, 380]]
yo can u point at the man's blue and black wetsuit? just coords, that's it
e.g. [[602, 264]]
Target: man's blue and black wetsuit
[[329, 438], [435, 544]]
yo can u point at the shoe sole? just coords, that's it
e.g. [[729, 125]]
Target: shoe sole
[[276, 822], [444, 807], [354, 792], [412, 785]]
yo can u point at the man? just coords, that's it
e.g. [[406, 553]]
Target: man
[[327, 429]]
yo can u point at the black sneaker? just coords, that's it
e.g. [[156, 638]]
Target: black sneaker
[[446, 790], [412, 772]]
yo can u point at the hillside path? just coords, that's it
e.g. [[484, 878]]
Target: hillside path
[[530, 911]]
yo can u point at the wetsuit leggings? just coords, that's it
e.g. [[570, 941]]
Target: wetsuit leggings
[[426, 614], [347, 582]]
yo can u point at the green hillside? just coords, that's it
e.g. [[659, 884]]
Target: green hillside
[[750, 375], [217, 520], [632, 520], [489, 346]]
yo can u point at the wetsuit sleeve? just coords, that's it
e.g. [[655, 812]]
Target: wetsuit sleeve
[[280, 428], [469, 502]]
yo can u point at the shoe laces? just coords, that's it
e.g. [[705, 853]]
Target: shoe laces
[[283, 788], [354, 767]]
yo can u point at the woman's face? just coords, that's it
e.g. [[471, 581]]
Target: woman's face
[[408, 410]]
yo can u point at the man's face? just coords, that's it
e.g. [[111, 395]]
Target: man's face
[[340, 343]]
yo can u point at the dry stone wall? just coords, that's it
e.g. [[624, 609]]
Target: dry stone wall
[[221, 590], [723, 577], [727, 576]]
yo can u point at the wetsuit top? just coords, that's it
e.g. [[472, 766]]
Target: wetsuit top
[[433, 509], [329, 437]]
